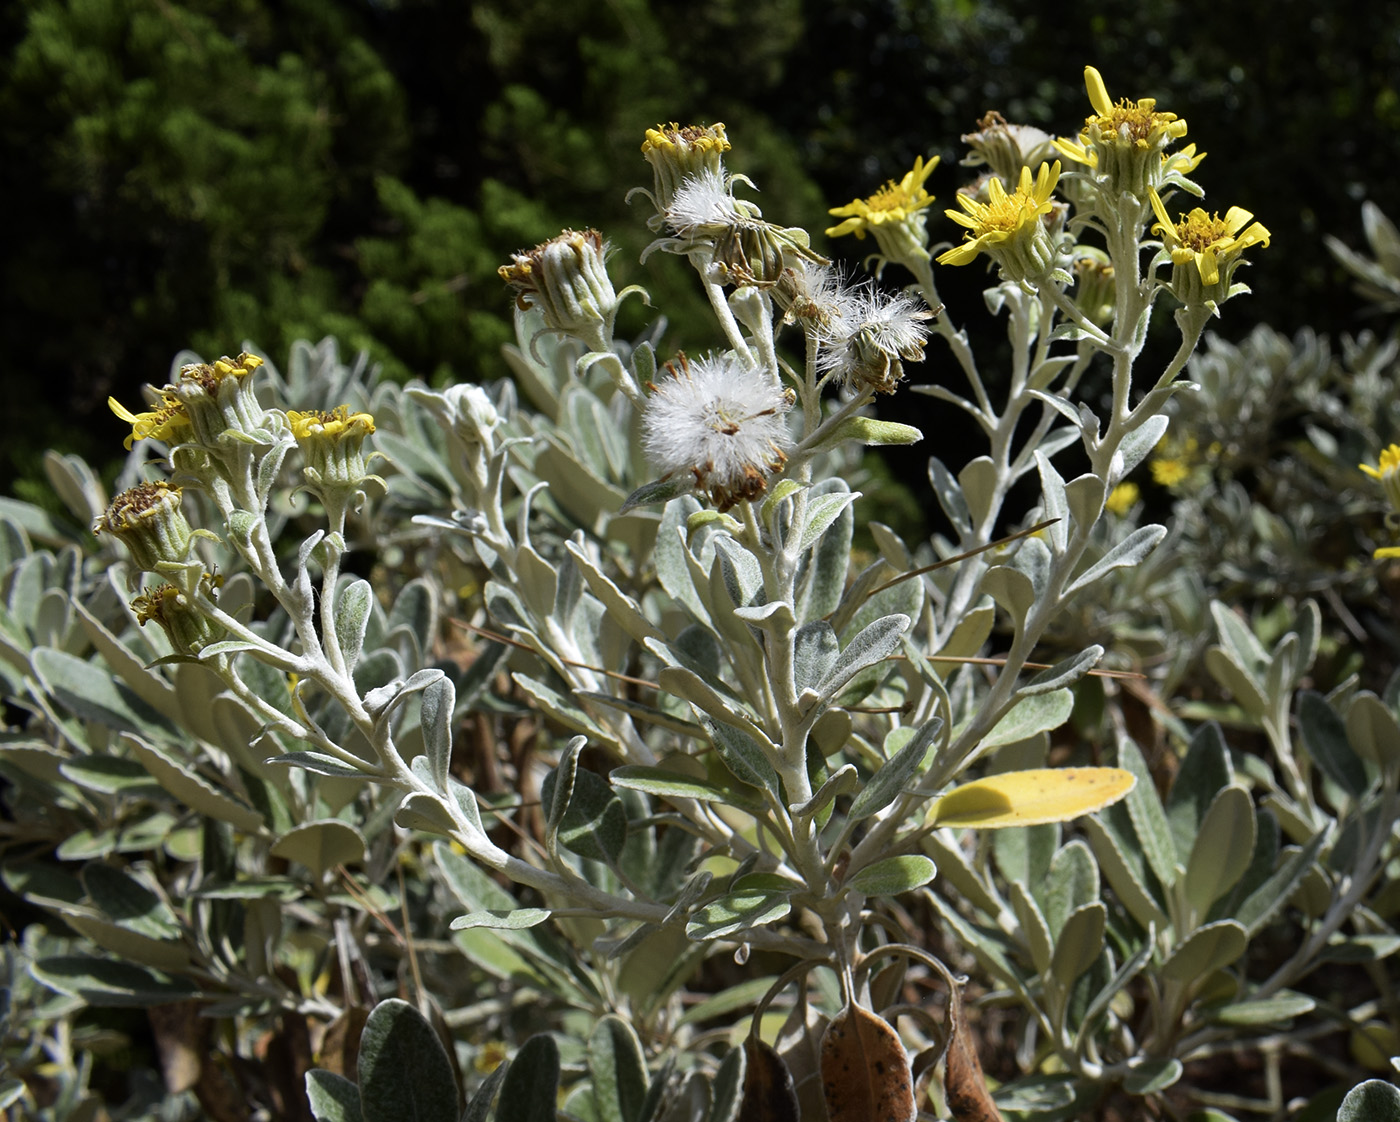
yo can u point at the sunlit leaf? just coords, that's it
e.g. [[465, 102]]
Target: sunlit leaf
[[1028, 798]]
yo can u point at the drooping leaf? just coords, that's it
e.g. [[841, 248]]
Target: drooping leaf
[[769, 1094], [865, 1070], [964, 1085]]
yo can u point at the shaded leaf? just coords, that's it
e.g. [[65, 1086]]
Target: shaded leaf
[[405, 1076]]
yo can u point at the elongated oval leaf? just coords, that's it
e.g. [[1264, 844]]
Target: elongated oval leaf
[[886, 784], [333, 1098], [618, 1069], [405, 1076], [1027, 798], [193, 791], [530, 1090], [769, 1094], [894, 875], [352, 611], [1222, 850], [439, 701], [1132, 550], [1209, 948]]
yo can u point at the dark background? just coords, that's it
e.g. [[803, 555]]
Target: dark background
[[194, 173]]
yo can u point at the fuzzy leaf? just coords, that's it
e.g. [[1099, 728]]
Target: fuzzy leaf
[[894, 875], [405, 1076]]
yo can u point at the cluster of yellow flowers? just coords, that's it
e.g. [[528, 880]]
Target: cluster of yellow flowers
[[1125, 147]]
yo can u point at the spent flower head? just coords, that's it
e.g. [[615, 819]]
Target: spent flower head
[[895, 215], [722, 422], [1126, 143], [566, 278], [676, 153], [1008, 228], [864, 336], [147, 519], [1007, 148], [1205, 250], [731, 233], [188, 628]]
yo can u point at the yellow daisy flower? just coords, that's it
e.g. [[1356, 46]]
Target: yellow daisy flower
[[1008, 228], [1214, 245], [1170, 472], [1388, 472], [892, 203], [339, 423], [1119, 137], [1122, 498], [167, 421], [894, 215]]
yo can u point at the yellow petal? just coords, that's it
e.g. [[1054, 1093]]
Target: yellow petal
[[1098, 92], [1029, 798], [1236, 219]]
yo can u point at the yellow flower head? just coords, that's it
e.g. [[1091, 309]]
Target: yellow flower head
[[1125, 141], [894, 215], [1214, 245], [1170, 472], [167, 421], [1008, 228], [338, 424], [1388, 472], [1122, 498], [892, 203], [335, 466]]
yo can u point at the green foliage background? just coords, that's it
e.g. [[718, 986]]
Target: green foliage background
[[200, 172]]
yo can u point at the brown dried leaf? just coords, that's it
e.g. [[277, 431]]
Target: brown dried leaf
[[769, 1095], [964, 1085], [180, 1034], [865, 1070], [340, 1047]]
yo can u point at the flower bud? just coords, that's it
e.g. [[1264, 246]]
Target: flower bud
[[1095, 287]]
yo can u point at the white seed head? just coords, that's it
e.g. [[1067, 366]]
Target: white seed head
[[720, 421]]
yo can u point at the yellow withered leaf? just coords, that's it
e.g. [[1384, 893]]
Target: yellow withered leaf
[[1029, 798]]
